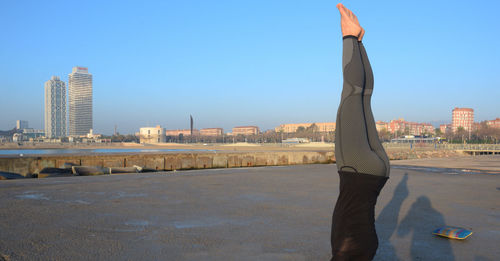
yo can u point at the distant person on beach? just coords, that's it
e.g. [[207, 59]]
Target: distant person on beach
[[362, 163]]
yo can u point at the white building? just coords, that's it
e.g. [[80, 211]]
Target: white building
[[152, 134], [20, 124], [33, 133], [80, 101], [55, 108], [17, 137]]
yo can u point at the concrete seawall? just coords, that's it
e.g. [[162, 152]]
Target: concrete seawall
[[27, 166]]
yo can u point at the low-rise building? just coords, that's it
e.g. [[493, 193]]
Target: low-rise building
[[494, 123], [428, 128], [293, 127], [184, 132], [91, 135], [152, 134], [28, 135], [245, 130], [16, 137], [211, 132], [381, 125], [444, 128], [410, 128], [398, 125], [33, 133]]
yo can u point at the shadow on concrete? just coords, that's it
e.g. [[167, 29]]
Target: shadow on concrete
[[387, 221], [420, 221]]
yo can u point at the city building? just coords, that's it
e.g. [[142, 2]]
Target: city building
[[80, 101], [381, 125], [28, 135], [33, 133], [293, 127], [55, 108], [494, 123], [184, 132], [400, 126], [444, 128], [16, 137], [462, 117], [91, 135], [152, 134], [211, 132], [428, 128], [245, 130], [20, 124]]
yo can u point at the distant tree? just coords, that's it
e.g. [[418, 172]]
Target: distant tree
[[461, 134], [9, 133], [313, 128], [122, 138], [407, 131], [437, 132], [384, 135], [486, 134], [272, 136], [495, 135], [300, 129], [330, 136]]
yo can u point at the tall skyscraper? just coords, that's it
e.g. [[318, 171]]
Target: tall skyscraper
[[20, 124], [462, 117], [55, 108], [80, 101]]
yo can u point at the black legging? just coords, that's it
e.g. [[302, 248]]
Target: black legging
[[357, 147], [361, 160]]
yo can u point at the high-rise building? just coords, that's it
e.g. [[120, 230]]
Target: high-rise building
[[80, 101], [55, 108], [20, 124], [462, 117]]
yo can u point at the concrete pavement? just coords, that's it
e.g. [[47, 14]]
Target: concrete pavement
[[261, 213]]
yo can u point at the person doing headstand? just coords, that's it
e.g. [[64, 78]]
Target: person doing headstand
[[362, 163]]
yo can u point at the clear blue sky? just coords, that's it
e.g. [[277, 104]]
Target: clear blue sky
[[253, 62]]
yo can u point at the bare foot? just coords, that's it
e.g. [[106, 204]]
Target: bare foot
[[349, 23]]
